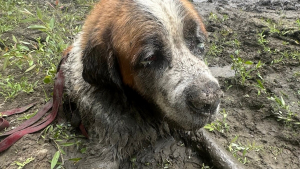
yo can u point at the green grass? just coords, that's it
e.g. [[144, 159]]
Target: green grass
[[28, 64], [27, 58], [283, 112], [219, 125], [214, 50], [11, 87], [240, 150], [22, 164], [242, 68], [60, 135]]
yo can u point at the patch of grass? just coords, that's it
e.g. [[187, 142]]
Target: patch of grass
[[275, 151], [234, 43], [56, 25], [27, 116], [283, 112], [18, 54], [205, 167], [219, 125], [61, 136], [22, 164], [261, 38], [41, 56], [295, 55], [298, 23], [276, 28], [11, 88], [214, 49], [290, 54], [260, 87], [12, 18], [239, 150], [213, 16], [243, 68]]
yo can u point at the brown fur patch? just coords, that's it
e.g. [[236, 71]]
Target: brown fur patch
[[194, 14]]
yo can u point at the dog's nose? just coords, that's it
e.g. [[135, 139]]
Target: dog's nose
[[204, 98]]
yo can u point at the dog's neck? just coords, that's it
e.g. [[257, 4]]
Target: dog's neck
[[125, 111]]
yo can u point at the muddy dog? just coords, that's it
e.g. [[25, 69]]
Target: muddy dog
[[135, 73]]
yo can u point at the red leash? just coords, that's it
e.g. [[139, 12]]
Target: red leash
[[3, 123], [30, 125]]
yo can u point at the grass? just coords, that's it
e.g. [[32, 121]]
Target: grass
[[61, 136], [22, 164], [219, 125], [11, 87], [30, 64], [261, 38], [283, 112], [276, 151], [215, 18], [242, 68], [39, 56], [214, 50], [240, 150]]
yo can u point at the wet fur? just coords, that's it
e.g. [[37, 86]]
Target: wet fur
[[125, 101]]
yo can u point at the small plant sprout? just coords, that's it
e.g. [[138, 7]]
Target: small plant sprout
[[214, 50], [22, 164], [213, 17], [262, 39], [260, 86], [27, 116], [298, 23], [61, 136], [219, 125], [205, 167], [225, 17], [295, 55], [236, 43], [239, 150], [243, 68], [283, 112]]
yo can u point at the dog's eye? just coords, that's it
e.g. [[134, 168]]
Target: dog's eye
[[201, 46], [148, 60]]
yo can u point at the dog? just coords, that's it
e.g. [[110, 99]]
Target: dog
[[136, 73]]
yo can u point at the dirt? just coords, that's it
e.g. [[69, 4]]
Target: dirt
[[252, 117]]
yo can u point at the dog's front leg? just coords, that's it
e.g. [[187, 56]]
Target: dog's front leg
[[99, 158]]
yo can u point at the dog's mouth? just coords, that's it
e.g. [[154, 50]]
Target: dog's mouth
[[195, 117], [203, 109]]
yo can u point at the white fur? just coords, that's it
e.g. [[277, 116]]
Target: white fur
[[186, 68]]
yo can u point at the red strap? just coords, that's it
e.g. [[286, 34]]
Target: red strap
[[3, 123], [32, 120], [17, 110], [57, 97]]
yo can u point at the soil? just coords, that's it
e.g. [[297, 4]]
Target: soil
[[252, 117]]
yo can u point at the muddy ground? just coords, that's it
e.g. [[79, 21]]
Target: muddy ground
[[258, 131]]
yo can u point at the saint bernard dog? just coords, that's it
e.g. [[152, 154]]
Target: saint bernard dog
[[136, 74]]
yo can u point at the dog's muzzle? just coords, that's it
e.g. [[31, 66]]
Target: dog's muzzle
[[203, 98]]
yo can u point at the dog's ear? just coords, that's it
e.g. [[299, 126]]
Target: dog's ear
[[100, 64]]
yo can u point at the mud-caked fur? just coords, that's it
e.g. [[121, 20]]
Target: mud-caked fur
[[135, 73]]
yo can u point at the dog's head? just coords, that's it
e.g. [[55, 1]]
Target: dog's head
[[155, 47]]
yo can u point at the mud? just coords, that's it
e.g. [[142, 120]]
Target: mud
[[252, 117]]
